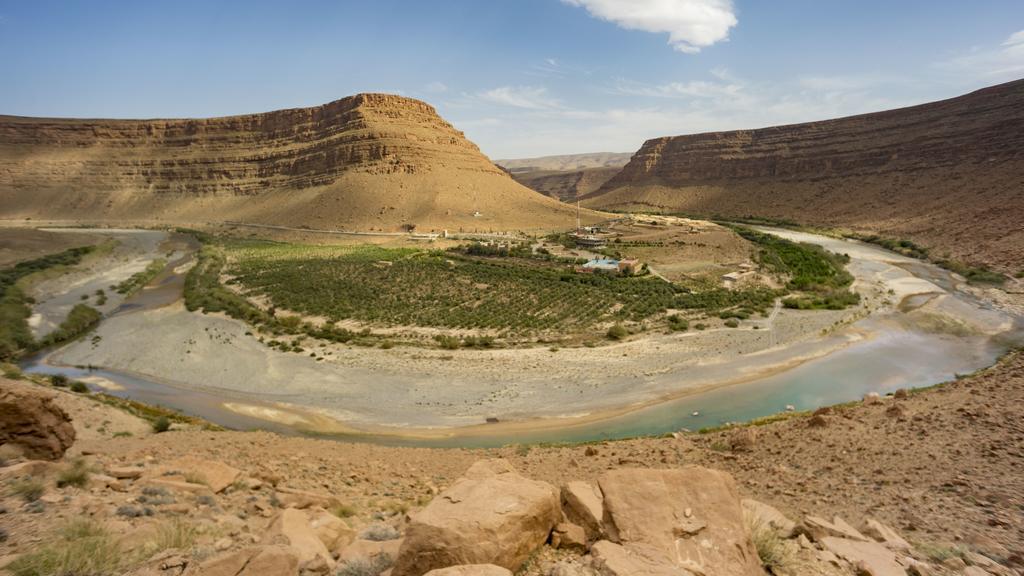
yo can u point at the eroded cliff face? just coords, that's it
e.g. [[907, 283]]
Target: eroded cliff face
[[371, 160], [948, 174]]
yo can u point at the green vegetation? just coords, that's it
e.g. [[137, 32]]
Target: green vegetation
[[973, 274], [28, 489], [678, 324], [140, 279], [904, 247], [80, 320], [79, 387], [15, 335], [59, 381], [771, 548], [415, 287], [618, 332], [82, 548], [818, 274], [161, 424], [77, 474]]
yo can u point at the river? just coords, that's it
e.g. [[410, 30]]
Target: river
[[935, 330]]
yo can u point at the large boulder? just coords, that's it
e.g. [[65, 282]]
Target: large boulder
[[492, 515], [692, 516], [216, 476], [868, 558], [583, 505], [610, 559], [31, 422]]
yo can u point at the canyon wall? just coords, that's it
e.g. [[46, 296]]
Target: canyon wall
[[368, 161], [949, 175]]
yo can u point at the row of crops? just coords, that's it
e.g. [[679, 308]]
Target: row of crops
[[433, 288]]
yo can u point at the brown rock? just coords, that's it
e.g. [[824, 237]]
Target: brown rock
[[901, 394], [471, 570], [817, 421], [691, 515], [583, 504], [760, 514], [569, 536], [294, 527], [216, 475], [292, 498], [743, 439], [882, 533], [491, 516], [612, 559], [32, 423], [330, 529], [126, 472], [818, 528], [869, 558], [368, 549], [258, 561]]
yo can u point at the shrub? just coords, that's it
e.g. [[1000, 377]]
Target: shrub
[[28, 489], [771, 548], [178, 533], [82, 548], [343, 511], [59, 380], [678, 323], [379, 533], [79, 387], [365, 566], [75, 475], [161, 424], [617, 332], [732, 323]]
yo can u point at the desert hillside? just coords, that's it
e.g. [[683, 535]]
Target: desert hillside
[[948, 175], [370, 161], [569, 177]]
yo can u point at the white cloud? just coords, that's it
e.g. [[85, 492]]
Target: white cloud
[[989, 64], [528, 97], [435, 88], [1015, 39], [690, 24]]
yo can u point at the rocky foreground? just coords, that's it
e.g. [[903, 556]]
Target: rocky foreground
[[923, 483]]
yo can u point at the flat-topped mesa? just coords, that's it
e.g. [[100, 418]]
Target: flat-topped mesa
[[294, 148], [946, 174], [367, 161]]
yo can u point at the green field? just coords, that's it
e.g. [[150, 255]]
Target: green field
[[442, 289]]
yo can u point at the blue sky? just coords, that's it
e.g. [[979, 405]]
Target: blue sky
[[520, 77]]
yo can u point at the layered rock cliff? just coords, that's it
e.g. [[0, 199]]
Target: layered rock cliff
[[367, 161], [948, 174], [566, 186]]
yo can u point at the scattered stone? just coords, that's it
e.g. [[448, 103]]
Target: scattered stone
[[490, 516], [901, 394], [368, 550], [868, 558], [291, 498], [32, 423], [330, 529], [215, 475], [692, 515], [872, 398]]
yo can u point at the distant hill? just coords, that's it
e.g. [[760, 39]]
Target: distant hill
[[371, 161], [566, 177], [566, 163], [948, 175]]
